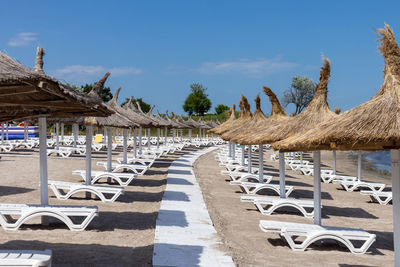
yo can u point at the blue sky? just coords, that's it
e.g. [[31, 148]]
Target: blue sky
[[156, 49]]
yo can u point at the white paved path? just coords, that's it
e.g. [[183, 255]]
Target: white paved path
[[185, 235]]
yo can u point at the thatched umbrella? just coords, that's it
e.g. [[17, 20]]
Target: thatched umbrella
[[161, 124], [232, 117], [373, 125], [194, 124], [20, 83]]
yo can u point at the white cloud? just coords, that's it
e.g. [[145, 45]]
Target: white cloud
[[247, 67], [82, 71], [22, 39]]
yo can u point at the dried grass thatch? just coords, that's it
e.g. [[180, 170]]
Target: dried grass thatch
[[247, 122], [137, 116], [278, 115], [374, 125], [26, 93], [231, 118]]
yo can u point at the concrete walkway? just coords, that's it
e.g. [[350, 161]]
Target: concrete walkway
[[185, 235]]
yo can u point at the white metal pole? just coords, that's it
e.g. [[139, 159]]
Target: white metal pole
[[25, 131], [190, 135], [166, 132], [282, 182], [250, 159], [105, 135], [2, 133], [125, 149], [109, 148], [7, 131], [57, 136], [334, 162], [317, 187], [88, 178], [261, 164], [158, 138], [233, 150], [173, 136], [62, 132], [359, 165], [301, 158], [74, 131], [395, 157], [44, 194], [134, 143], [148, 140], [140, 140], [243, 156]]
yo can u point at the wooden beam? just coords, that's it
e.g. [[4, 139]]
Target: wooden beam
[[16, 90]]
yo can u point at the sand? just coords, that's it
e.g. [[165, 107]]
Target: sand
[[237, 222], [122, 234]]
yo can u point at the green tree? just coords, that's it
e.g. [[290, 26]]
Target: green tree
[[143, 105], [105, 94], [221, 108], [300, 94], [197, 101]]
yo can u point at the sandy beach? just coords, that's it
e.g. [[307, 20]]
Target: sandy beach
[[237, 222], [122, 234]]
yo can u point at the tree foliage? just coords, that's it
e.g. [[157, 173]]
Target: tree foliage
[[105, 94], [197, 101], [300, 94], [143, 105], [221, 108]]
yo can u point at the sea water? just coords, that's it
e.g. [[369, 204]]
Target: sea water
[[381, 159]]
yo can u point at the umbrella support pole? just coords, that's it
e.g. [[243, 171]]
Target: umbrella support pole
[[140, 140], [190, 135], [158, 138], [109, 151], [334, 162], [395, 158], [261, 165], [229, 150], [243, 156], [7, 131], [250, 159], [301, 158], [57, 137], [44, 193], [134, 143], [125, 149], [359, 159], [233, 151], [88, 178], [75, 133], [148, 140], [165, 140], [317, 187], [25, 131], [62, 132], [282, 182]]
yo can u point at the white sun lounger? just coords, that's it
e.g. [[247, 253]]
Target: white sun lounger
[[67, 151], [64, 190], [309, 170], [139, 169], [244, 176], [350, 186], [252, 188], [267, 205], [383, 198], [313, 233], [123, 179], [143, 161], [236, 168], [22, 258], [63, 213]]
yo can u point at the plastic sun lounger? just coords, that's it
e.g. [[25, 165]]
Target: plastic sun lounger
[[33, 258], [330, 178], [235, 168], [267, 205], [313, 233], [309, 170], [64, 190], [351, 186], [243, 176], [252, 188], [135, 168], [63, 213], [143, 161], [122, 179], [382, 198]]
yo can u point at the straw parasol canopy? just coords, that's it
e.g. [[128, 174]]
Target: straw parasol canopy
[[190, 121], [204, 124], [317, 111], [137, 116], [232, 124], [231, 118], [239, 123], [373, 125], [277, 115], [258, 117], [163, 121], [187, 124], [26, 93]]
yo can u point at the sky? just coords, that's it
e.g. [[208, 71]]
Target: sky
[[156, 49]]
